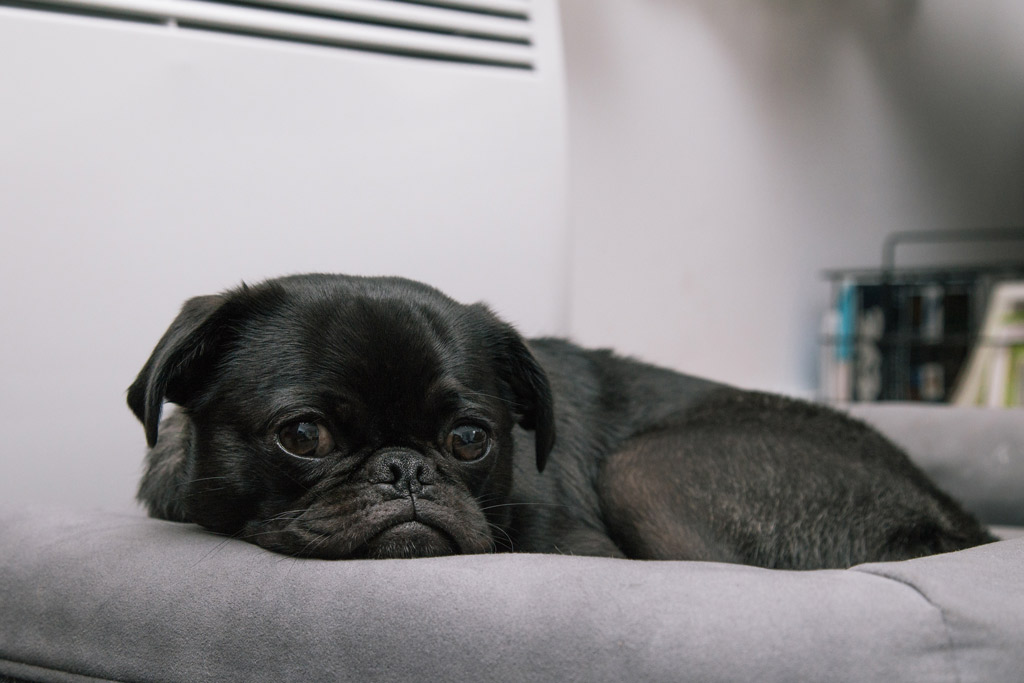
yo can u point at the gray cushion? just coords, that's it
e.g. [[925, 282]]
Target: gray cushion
[[128, 598], [977, 454], [95, 595]]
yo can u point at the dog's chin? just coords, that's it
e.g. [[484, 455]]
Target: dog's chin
[[394, 529], [407, 540]]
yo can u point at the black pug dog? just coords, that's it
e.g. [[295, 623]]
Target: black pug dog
[[348, 417]]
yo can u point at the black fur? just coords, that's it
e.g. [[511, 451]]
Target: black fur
[[589, 453]]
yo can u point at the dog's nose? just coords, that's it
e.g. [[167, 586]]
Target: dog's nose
[[406, 471]]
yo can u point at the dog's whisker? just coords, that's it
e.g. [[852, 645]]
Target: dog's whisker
[[494, 539], [493, 396], [189, 482], [313, 544], [528, 504], [214, 490], [488, 500], [227, 538], [256, 534], [285, 515]]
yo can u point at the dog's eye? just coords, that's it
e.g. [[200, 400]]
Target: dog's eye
[[469, 442], [305, 439]]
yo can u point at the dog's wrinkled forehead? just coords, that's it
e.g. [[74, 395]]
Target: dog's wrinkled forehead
[[386, 355]]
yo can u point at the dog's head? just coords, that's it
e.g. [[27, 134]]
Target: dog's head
[[335, 416]]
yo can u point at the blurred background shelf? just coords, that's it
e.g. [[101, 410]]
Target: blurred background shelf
[[931, 334]]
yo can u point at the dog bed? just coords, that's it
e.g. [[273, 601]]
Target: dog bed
[[91, 595]]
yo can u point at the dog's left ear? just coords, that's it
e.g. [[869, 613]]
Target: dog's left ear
[[172, 369], [534, 405]]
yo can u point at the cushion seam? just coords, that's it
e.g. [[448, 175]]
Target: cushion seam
[[950, 643], [57, 670]]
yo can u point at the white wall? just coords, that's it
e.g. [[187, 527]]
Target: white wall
[[142, 165], [724, 152]]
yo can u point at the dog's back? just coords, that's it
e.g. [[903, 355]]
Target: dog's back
[[668, 466]]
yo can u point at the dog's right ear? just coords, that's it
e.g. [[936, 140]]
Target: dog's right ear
[[178, 362]]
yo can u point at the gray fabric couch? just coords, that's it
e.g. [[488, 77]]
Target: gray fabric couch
[[98, 596]]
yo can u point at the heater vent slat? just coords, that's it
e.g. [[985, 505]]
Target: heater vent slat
[[510, 8], [485, 32]]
